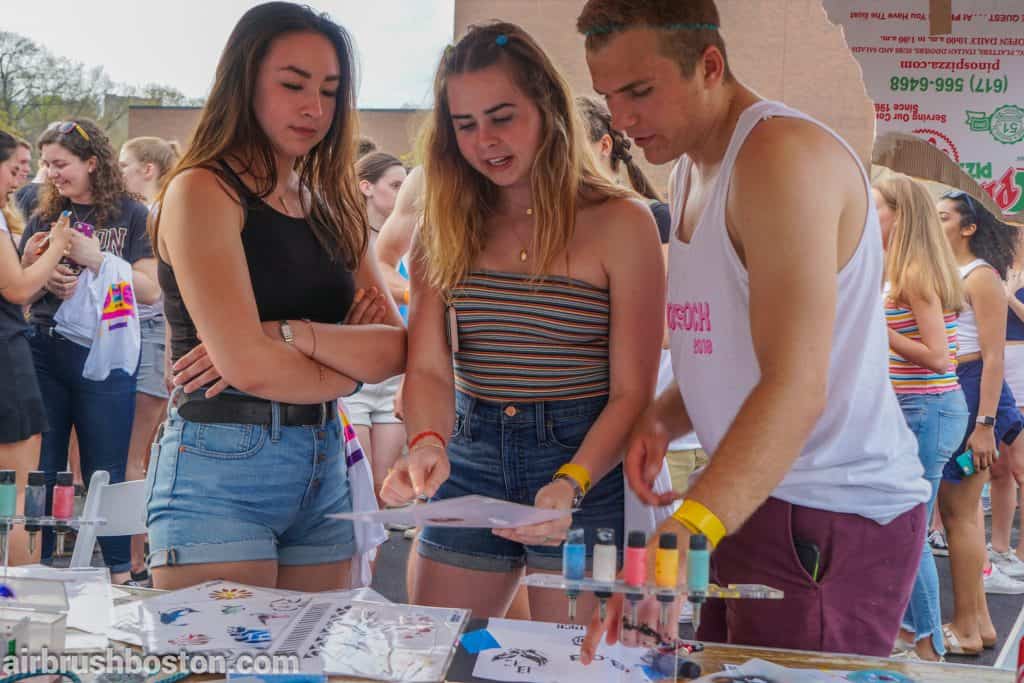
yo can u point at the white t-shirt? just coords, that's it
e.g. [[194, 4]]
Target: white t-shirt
[[689, 441]]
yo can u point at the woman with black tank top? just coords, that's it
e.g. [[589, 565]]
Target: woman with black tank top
[[22, 413], [537, 305], [262, 241]]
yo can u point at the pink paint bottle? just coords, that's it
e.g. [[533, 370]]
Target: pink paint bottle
[[63, 505], [634, 571]]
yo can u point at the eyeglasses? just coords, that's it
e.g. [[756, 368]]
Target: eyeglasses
[[960, 194], [66, 127]]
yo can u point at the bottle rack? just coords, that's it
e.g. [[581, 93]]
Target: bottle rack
[[745, 591], [72, 523]]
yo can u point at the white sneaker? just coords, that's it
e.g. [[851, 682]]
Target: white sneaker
[[999, 583], [1008, 562]]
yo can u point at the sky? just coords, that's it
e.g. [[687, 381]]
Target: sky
[[177, 43]]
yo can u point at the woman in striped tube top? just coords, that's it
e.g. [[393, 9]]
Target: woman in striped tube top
[[923, 298], [535, 325]]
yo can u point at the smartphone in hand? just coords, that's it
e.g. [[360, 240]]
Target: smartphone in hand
[[966, 462]]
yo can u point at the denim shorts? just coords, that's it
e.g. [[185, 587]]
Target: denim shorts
[[239, 492], [510, 451], [1008, 418], [151, 362]]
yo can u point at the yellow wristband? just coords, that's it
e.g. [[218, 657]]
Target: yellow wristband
[[578, 473], [699, 520]]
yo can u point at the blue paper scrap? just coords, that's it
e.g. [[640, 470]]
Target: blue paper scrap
[[478, 641]]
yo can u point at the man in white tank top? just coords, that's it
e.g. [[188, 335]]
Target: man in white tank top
[[778, 343]]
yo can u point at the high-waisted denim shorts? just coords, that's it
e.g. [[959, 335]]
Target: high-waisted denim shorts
[[510, 451], [239, 492]]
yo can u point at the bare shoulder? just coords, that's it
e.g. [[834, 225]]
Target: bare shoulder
[[788, 145], [200, 187], [615, 214]]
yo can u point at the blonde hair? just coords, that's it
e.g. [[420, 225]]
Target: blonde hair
[[919, 260], [458, 199], [163, 154], [15, 221]]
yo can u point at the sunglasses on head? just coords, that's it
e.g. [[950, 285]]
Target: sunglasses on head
[[960, 194], [66, 127]]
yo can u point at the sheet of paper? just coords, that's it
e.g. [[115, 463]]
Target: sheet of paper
[[127, 626], [466, 512], [90, 600], [760, 671], [549, 653]]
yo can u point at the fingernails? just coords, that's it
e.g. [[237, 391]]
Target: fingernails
[[359, 296]]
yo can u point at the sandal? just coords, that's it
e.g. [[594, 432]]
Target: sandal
[[952, 643]]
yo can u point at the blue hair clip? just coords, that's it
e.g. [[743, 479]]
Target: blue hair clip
[[501, 40]]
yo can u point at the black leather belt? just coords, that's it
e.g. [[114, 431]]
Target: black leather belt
[[233, 409]]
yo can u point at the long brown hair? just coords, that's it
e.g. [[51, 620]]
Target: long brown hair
[[918, 261], [228, 127], [106, 183], [459, 199]]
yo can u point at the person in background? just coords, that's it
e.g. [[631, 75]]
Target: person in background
[[523, 311], [22, 413], [84, 179], [984, 250], [923, 296], [1008, 471], [371, 410], [24, 163], [145, 163], [27, 196], [365, 146]]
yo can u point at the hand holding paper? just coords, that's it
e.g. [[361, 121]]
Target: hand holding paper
[[466, 512], [557, 495]]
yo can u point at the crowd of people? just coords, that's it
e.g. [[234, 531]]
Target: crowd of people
[[523, 316]]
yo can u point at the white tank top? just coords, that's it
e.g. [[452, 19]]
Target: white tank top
[[861, 457], [967, 325]]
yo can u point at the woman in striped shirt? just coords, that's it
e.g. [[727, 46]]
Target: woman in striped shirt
[[923, 297], [535, 325]]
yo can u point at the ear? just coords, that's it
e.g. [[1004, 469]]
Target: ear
[[606, 145], [366, 188], [968, 230], [711, 66], [92, 163], [150, 171]]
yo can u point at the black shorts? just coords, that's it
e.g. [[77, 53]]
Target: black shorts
[[22, 413]]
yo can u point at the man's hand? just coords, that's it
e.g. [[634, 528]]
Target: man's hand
[[645, 454]]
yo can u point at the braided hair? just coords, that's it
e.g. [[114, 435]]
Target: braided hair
[[599, 124]]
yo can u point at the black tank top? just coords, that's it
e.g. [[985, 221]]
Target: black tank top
[[292, 275]]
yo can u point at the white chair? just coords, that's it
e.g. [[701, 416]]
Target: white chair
[[123, 506]]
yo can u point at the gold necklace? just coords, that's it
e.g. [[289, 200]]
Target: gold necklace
[[523, 254], [284, 204]]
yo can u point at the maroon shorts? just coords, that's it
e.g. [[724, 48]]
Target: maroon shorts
[[866, 574]]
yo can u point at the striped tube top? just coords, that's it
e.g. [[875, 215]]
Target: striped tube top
[[527, 341], [908, 377]]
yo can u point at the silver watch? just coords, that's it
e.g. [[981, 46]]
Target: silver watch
[[578, 492], [286, 332]]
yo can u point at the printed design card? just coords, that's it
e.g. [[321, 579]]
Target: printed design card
[[217, 616]]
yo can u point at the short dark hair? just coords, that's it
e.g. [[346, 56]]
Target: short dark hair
[[365, 146], [688, 27]]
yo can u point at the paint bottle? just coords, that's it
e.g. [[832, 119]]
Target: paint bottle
[[606, 566], [698, 570], [63, 505], [666, 573], [35, 505], [635, 568], [574, 565], [8, 508]]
